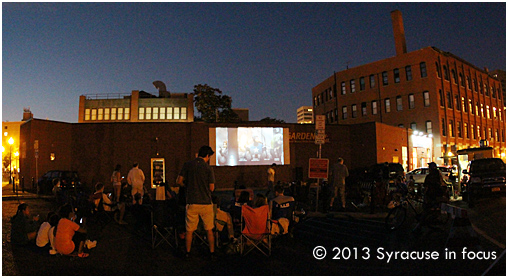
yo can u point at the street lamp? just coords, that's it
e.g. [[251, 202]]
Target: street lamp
[[11, 141]]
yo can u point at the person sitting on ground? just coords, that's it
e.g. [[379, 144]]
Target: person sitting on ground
[[107, 204], [70, 237], [279, 207], [45, 236], [23, 229]]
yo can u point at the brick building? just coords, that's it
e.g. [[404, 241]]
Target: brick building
[[432, 92]]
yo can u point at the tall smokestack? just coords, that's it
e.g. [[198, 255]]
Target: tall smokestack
[[398, 32]]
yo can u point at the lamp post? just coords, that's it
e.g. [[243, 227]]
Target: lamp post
[[11, 141]]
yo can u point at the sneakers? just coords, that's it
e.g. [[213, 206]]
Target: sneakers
[[90, 244]]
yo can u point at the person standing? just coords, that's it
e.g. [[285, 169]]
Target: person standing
[[136, 179], [339, 175], [116, 179], [271, 179], [199, 179]]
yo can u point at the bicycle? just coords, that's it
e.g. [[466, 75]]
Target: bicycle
[[433, 217]]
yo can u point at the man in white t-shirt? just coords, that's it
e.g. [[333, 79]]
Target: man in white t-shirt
[[136, 178]]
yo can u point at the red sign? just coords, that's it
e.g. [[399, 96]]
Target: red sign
[[318, 168]]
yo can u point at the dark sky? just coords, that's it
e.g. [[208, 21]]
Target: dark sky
[[266, 56]]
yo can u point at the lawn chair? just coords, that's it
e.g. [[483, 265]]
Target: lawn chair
[[256, 230], [163, 226]]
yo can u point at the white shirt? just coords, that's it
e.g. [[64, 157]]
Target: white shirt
[[136, 178], [43, 235]]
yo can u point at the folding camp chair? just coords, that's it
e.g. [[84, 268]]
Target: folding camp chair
[[256, 230], [163, 228]]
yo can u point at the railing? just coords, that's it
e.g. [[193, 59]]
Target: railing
[[106, 96]]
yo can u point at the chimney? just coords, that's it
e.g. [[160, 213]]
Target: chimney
[[398, 32], [27, 114]]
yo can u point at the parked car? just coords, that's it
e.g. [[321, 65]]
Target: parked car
[[484, 176], [68, 180], [419, 174]]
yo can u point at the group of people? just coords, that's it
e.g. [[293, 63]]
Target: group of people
[[61, 233]]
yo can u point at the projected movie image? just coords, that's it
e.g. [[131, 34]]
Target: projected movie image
[[249, 146]]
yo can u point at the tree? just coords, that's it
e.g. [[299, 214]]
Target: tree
[[272, 121], [212, 105]]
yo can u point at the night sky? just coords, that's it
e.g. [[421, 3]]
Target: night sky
[[266, 56]]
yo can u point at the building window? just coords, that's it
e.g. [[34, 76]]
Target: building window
[[443, 127], [478, 132], [441, 98], [401, 125], [141, 113], [169, 112], [457, 103], [412, 126], [475, 85], [466, 130], [485, 89], [344, 112], [438, 70], [428, 127], [372, 80], [107, 112], [423, 70], [385, 78], [411, 100], [399, 103], [353, 111], [148, 115], [494, 112], [493, 92], [120, 113], [497, 135], [463, 103], [343, 88], [336, 111], [461, 80], [454, 76], [459, 129], [155, 114], [477, 111], [396, 76], [352, 84], [387, 105], [468, 82], [446, 74], [449, 100], [113, 113], [100, 114], [451, 128], [488, 111], [94, 115], [482, 112], [362, 83], [183, 114], [470, 105], [87, 114], [162, 113], [374, 107], [426, 99], [364, 109], [176, 114], [126, 114], [409, 74]]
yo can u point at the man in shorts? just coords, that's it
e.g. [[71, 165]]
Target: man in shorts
[[199, 179]]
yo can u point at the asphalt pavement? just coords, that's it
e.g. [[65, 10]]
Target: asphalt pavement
[[355, 242]]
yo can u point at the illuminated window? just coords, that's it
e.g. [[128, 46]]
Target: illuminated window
[[169, 113], [459, 129], [387, 105], [463, 103], [426, 99], [162, 113], [141, 113], [94, 114], [176, 115], [155, 114], [428, 127], [100, 114], [451, 128], [183, 113], [113, 113], [120, 113], [488, 111], [127, 113], [343, 88], [107, 112], [148, 114], [399, 103], [466, 130], [352, 84], [87, 114], [472, 132], [411, 101], [374, 107]]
